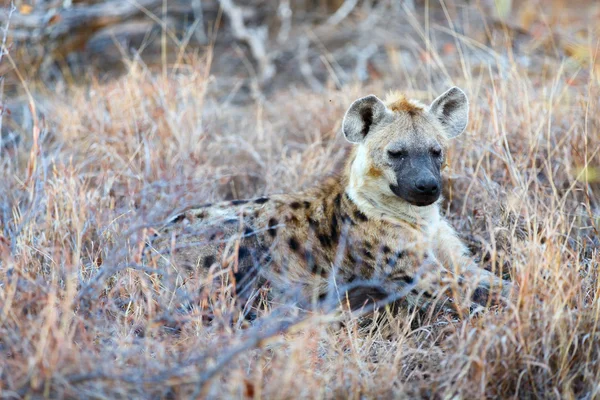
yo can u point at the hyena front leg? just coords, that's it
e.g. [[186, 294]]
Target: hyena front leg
[[457, 289], [468, 280]]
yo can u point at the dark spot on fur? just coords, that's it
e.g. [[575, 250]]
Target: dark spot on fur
[[208, 261], [324, 240], [293, 242], [318, 270], [351, 258], [310, 262], [248, 231], [243, 279], [238, 202], [273, 227], [422, 293], [230, 220], [386, 249], [189, 267], [366, 114], [293, 219], [360, 216], [201, 215], [334, 228], [295, 205], [480, 295], [315, 269], [261, 200], [393, 260], [408, 279], [338, 200], [307, 204], [239, 276], [265, 259], [139, 332], [313, 224], [368, 245], [368, 254], [243, 252], [178, 218]]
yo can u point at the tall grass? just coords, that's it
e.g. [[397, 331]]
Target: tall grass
[[79, 317]]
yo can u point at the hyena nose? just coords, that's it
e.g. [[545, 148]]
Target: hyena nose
[[428, 186]]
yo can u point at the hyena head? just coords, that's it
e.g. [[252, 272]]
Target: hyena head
[[401, 146]]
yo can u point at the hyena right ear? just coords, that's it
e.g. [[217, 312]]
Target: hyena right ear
[[363, 115]]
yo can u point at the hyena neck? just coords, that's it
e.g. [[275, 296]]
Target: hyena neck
[[393, 210]]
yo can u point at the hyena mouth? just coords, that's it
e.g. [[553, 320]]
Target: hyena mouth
[[415, 199]]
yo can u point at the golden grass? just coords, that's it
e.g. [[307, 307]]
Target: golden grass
[[80, 318]]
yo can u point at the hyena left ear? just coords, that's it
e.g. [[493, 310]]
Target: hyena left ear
[[452, 110], [362, 116]]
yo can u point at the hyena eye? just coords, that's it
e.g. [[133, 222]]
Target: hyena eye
[[436, 152], [399, 153]]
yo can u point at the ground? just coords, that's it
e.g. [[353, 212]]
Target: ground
[[108, 159]]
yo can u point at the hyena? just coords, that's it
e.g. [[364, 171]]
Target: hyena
[[378, 221]]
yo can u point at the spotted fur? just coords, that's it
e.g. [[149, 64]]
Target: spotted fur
[[351, 227]]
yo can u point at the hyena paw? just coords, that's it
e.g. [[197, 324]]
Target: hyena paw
[[498, 293]]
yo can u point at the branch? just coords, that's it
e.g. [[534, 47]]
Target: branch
[[342, 12], [62, 31], [254, 38]]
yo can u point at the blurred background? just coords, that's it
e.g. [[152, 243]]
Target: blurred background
[[259, 47]]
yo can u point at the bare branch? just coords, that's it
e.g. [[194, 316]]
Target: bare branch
[[362, 61], [255, 38], [342, 12], [305, 68], [199, 32], [284, 11]]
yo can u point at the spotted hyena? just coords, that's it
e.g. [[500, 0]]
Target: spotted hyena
[[377, 223]]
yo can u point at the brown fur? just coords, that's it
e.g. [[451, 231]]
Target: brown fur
[[397, 102]]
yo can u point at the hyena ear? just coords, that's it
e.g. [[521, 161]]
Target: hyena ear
[[362, 116], [452, 110]]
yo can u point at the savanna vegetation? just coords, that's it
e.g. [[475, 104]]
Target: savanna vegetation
[[103, 139]]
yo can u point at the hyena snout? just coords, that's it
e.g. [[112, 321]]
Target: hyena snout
[[419, 188], [425, 189], [427, 186]]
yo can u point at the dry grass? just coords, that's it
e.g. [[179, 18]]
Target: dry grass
[[80, 318]]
